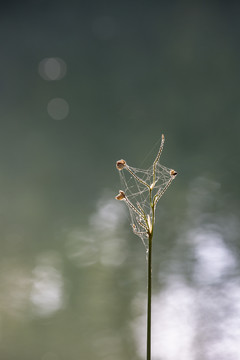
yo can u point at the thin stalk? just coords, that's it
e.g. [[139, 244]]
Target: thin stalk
[[149, 298], [149, 301]]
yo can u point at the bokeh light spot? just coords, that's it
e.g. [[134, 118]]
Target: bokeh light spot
[[58, 108], [52, 69]]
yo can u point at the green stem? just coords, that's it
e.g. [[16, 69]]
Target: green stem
[[149, 301]]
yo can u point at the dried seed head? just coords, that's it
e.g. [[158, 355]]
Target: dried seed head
[[120, 196], [173, 173], [120, 164]]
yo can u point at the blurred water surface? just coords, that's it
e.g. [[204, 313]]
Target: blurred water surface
[[83, 85]]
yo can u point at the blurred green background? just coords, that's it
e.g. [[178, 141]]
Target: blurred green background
[[84, 84]]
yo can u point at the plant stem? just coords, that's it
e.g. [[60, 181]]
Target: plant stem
[[149, 301]]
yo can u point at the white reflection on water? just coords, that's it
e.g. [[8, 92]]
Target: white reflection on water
[[46, 295], [100, 241], [108, 215], [173, 323], [198, 318], [201, 321], [40, 289], [47, 285], [214, 259]]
